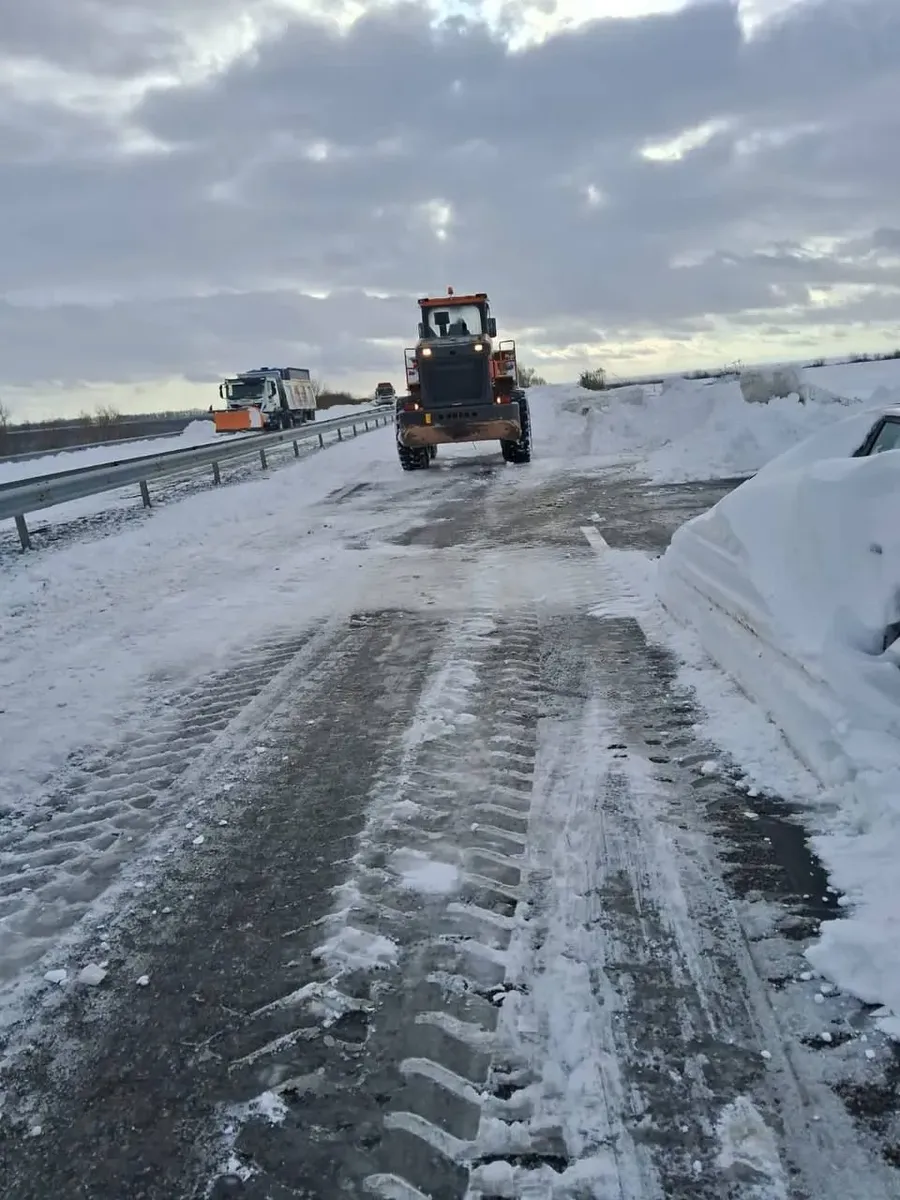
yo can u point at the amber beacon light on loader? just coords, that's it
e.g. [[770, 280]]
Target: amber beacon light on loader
[[460, 387]]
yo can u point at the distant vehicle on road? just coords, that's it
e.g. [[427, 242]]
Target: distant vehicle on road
[[385, 394], [266, 398]]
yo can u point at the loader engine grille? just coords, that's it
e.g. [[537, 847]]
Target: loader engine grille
[[453, 378]]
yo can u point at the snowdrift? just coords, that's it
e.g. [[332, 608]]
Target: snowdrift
[[683, 429], [790, 582], [197, 433]]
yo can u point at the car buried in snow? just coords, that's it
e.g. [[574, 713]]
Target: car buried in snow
[[884, 434]]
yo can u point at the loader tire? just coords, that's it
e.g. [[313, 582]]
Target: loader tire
[[413, 458], [520, 450]]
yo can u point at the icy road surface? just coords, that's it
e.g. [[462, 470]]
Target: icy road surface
[[402, 865]]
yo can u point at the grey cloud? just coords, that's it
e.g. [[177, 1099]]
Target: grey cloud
[[213, 335], [86, 37], [115, 38], [509, 142], [615, 78]]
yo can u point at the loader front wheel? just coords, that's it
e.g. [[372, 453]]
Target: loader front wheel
[[519, 451], [413, 458]]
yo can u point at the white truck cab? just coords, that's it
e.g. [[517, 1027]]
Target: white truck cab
[[266, 398]]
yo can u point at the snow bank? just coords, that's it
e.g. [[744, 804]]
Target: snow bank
[[790, 582], [198, 433], [859, 380], [680, 430], [345, 410]]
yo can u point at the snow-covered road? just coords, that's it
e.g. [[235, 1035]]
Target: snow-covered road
[[411, 862]]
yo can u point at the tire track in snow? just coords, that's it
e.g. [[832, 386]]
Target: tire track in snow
[[68, 857], [238, 1012], [782, 888], [652, 1042], [416, 949]]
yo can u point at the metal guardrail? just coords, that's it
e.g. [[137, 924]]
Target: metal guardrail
[[28, 455], [19, 497]]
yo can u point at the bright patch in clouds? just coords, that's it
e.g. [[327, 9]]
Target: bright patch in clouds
[[526, 22], [674, 149], [439, 216]]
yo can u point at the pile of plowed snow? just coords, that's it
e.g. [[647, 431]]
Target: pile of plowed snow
[[197, 433], [679, 430], [790, 582]]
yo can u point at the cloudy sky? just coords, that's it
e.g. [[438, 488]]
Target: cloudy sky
[[192, 187]]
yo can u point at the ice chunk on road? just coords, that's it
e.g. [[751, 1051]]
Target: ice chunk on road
[[496, 1179], [92, 974], [270, 1106], [747, 1148], [418, 873], [354, 949]]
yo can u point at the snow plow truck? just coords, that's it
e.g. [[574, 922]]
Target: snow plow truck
[[266, 398], [460, 388]]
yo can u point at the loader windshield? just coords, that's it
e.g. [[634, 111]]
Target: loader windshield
[[454, 320]]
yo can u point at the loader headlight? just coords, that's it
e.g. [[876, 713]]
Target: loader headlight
[[426, 351], [478, 346]]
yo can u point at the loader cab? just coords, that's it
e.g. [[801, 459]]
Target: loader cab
[[455, 317], [452, 365]]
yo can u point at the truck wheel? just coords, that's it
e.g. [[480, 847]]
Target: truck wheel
[[413, 458], [520, 450]]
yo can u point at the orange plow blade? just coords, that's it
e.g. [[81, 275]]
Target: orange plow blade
[[234, 420]]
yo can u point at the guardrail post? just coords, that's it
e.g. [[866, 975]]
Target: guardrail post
[[262, 457], [217, 476], [145, 493], [296, 448], [366, 423], [355, 431], [340, 436], [321, 442], [22, 531]]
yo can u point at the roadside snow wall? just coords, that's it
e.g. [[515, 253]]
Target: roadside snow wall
[[789, 582], [681, 430]]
